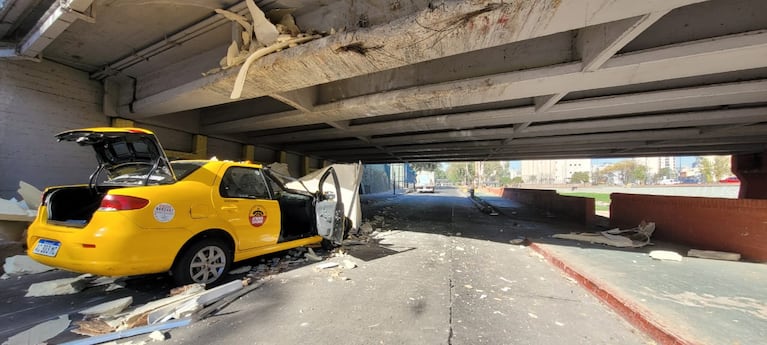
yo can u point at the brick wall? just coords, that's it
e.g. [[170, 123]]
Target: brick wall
[[574, 208], [732, 225], [38, 100]]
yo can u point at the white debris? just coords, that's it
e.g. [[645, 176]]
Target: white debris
[[665, 255], [348, 264], [66, 286], [31, 195], [12, 207], [243, 269], [532, 315], [327, 265], [40, 333], [310, 255], [22, 264], [460, 249], [157, 336], [109, 308]]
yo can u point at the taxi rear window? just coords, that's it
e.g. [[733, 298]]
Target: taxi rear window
[[184, 169]]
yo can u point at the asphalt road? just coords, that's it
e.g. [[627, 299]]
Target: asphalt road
[[436, 271]]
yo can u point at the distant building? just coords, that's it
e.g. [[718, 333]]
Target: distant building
[[655, 164], [553, 171]]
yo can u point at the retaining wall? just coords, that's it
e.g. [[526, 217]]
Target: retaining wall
[[732, 225], [577, 209]]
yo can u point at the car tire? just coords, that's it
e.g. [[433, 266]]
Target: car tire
[[204, 262]]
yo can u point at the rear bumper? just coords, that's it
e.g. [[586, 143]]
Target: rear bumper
[[120, 249]]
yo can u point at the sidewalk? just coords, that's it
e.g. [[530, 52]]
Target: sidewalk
[[695, 301]]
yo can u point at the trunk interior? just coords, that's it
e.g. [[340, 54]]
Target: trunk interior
[[73, 206]]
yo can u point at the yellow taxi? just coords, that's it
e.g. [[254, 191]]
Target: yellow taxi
[[141, 213]]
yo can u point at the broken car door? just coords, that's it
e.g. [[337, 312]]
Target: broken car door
[[330, 208]]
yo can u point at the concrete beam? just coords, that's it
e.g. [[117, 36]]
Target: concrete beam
[[683, 98], [58, 18], [717, 55], [412, 39], [599, 43]]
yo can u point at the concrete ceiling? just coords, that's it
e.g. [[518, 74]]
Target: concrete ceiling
[[396, 80]]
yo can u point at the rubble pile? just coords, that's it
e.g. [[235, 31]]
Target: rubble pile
[[636, 237]]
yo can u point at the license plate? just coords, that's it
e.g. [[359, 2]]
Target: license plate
[[47, 247]]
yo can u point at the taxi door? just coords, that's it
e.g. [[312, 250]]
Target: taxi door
[[243, 201], [330, 208]]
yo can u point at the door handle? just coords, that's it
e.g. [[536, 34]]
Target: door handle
[[228, 208]]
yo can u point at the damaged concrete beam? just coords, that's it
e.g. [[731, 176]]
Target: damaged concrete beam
[[716, 55], [455, 28]]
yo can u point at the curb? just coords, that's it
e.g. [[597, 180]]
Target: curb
[[629, 312]]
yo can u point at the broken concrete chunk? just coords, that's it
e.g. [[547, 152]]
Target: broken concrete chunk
[[66, 286], [348, 264], [158, 336], [266, 32], [92, 327], [32, 196], [109, 308], [712, 254], [312, 256], [22, 264], [187, 290], [665, 255], [327, 265], [40, 333]]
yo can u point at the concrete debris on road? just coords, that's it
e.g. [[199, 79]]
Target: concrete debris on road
[[713, 254], [326, 265], [158, 336], [348, 264], [520, 241], [40, 333], [21, 265], [665, 255], [108, 308], [184, 304], [629, 238], [310, 255], [65, 286]]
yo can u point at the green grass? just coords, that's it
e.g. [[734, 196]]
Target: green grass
[[602, 200]]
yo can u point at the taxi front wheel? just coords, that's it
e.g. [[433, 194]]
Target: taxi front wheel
[[204, 262]]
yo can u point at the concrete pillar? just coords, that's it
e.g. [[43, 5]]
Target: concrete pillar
[[120, 122], [751, 169], [306, 166], [248, 153], [200, 146]]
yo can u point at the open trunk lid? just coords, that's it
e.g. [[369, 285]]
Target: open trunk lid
[[126, 156]]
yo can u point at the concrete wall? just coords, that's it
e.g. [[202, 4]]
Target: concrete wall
[[38, 100], [224, 150], [733, 225], [574, 208]]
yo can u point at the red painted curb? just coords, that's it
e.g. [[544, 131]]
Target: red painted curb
[[631, 313]]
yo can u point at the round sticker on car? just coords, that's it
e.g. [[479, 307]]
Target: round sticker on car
[[164, 213], [257, 216]]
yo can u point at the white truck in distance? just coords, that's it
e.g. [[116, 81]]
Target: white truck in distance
[[424, 181]]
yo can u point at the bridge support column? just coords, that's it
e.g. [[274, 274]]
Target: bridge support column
[[751, 169]]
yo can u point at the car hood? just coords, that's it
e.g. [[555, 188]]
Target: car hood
[[115, 147]]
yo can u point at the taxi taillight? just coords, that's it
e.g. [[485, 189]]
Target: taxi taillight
[[122, 203]]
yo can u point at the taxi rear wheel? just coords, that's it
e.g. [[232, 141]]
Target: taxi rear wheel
[[204, 262]]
